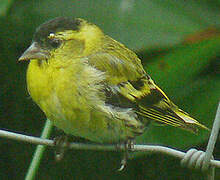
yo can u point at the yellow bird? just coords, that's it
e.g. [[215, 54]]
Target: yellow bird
[[91, 86]]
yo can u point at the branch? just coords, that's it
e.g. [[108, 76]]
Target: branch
[[38, 154], [98, 147]]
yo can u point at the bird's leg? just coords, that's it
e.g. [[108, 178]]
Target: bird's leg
[[61, 144], [128, 146]]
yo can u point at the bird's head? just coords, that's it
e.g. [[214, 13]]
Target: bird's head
[[63, 36]]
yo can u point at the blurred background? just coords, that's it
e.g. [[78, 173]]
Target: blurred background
[[179, 45]]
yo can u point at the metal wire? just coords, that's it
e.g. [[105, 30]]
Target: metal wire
[[192, 159], [195, 159]]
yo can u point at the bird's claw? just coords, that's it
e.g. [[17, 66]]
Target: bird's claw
[[123, 161], [61, 143], [128, 146]]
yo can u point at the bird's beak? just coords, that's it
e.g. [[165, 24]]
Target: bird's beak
[[34, 52]]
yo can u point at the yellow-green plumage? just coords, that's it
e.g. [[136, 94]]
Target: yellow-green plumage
[[92, 86]]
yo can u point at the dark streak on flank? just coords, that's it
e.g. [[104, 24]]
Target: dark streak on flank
[[117, 100]]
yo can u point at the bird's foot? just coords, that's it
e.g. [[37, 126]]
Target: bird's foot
[[128, 147], [61, 144]]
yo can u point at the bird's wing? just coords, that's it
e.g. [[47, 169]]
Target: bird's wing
[[127, 84]]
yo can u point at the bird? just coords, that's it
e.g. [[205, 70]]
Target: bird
[[94, 87]]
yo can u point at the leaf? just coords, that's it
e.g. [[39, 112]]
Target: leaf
[[138, 24], [4, 6], [183, 64], [197, 94]]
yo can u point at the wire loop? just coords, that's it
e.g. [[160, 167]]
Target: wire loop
[[194, 159]]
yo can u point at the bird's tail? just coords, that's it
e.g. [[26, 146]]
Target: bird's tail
[[174, 117]]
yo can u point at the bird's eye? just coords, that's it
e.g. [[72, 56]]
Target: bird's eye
[[51, 36]]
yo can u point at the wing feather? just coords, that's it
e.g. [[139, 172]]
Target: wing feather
[[133, 87]]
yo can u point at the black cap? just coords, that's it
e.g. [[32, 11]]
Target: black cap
[[56, 25]]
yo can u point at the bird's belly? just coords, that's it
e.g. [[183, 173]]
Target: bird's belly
[[86, 123], [69, 111], [91, 125]]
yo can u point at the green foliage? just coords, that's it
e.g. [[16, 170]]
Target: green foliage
[[4, 6], [180, 74]]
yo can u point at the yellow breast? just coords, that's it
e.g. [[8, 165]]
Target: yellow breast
[[52, 89], [70, 106]]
